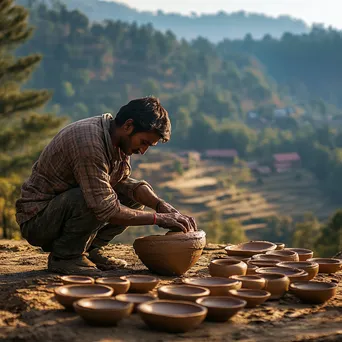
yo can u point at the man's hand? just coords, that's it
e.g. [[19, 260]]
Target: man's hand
[[176, 222]]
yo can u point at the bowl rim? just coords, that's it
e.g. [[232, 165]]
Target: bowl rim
[[263, 293], [333, 261], [66, 278], [126, 305], [272, 246], [330, 286], [228, 260], [309, 263], [152, 279], [60, 288], [199, 234], [206, 292], [116, 280], [202, 309], [282, 252], [299, 249], [300, 272], [229, 282], [240, 277], [240, 303], [139, 295]]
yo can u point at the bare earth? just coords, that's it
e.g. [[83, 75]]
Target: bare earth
[[29, 312]]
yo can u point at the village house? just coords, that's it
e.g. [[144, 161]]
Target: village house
[[283, 162]]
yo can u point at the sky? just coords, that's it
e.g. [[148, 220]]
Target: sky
[[327, 12]]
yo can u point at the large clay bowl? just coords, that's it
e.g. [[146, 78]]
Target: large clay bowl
[[252, 297], [264, 262], [141, 283], [68, 294], [220, 309], [77, 279], [254, 282], [172, 316], [171, 254], [303, 253], [182, 292], [227, 267], [308, 266], [327, 265], [116, 283], [216, 285], [135, 298], [294, 274], [314, 291], [102, 311], [276, 284], [250, 248], [284, 255]]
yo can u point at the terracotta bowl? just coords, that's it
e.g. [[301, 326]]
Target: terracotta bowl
[[221, 309], [116, 283], [227, 267], [172, 316], [294, 274], [327, 265], [216, 285], [243, 258], [280, 246], [250, 248], [68, 294], [171, 254], [276, 284], [102, 311], [76, 279], [284, 255], [314, 291], [135, 298], [265, 257], [308, 266], [182, 292], [253, 282], [264, 262], [141, 283], [252, 297], [251, 269], [303, 253]]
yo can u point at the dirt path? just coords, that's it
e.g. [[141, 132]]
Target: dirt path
[[29, 312]]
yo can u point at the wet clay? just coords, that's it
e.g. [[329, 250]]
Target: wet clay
[[170, 254]]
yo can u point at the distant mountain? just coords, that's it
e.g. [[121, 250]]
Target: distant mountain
[[215, 27]]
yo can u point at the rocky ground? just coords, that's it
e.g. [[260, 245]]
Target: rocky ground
[[29, 312]]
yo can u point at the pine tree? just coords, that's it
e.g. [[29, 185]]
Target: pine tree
[[23, 132]]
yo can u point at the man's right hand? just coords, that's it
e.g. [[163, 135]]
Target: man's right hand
[[175, 221]]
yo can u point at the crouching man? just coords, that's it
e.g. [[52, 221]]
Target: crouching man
[[80, 194]]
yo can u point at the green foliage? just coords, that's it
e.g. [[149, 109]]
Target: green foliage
[[278, 229]]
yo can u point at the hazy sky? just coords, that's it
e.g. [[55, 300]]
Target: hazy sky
[[317, 11]]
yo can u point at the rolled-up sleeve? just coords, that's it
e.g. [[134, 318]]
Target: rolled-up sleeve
[[127, 187]]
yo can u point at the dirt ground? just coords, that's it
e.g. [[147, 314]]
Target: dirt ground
[[29, 312]]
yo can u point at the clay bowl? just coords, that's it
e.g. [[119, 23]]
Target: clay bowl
[[135, 298], [251, 269], [294, 274], [227, 267], [277, 284], [284, 255], [253, 282], [280, 246], [264, 262], [117, 284], [68, 294], [243, 258], [303, 253], [182, 292], [327, 265], [172, 316], [265, 257], [141, 283], [250, 248], [313, 291], [221, 309], [252, 297], [171, 254], [308, 266], [76, 279], [216, 285], [102, 311]]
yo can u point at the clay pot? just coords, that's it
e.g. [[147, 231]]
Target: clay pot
[[276, 284], [227, 267], [251, 269], [313, 291], [221, 309], [294, 274], [76, 279], [182, 292], [303, 253], [280, 246], [327, 265], [284, 255], [310, 267], [250, 248], [172, 316], [141, 283], [117, 284], [216, 285], [264, 262], [171, 254], [68, 294], [252, 297], [135, 298], [102, 311], [253, 282]]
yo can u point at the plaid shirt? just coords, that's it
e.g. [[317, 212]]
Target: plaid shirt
[[80, 155]]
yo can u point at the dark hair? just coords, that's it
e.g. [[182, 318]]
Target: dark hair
[[147, 114]]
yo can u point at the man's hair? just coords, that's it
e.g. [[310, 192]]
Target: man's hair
[[147, 114]]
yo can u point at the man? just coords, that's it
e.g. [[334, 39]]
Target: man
[[80, 194]]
